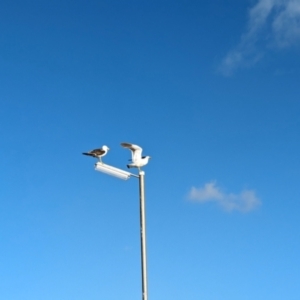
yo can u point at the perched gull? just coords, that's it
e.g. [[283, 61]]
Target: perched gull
[[98, 153], [138, 160]]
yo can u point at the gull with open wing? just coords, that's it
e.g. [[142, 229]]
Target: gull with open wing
[[138, 160]]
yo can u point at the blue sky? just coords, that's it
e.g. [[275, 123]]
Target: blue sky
[[209, 89]]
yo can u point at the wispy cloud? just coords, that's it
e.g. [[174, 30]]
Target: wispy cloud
[[271, 23], [244, 202]]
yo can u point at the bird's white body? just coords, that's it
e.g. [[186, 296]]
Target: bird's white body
[[138, 160]]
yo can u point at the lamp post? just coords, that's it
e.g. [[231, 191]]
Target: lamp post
[[121, 174], [143, 234]]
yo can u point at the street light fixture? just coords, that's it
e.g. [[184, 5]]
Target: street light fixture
[[101, 167], [121, 174]]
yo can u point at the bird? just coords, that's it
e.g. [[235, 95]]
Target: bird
[[137, 159], [97, 153]]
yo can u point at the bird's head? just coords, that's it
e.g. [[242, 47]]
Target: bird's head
[[105, 148]]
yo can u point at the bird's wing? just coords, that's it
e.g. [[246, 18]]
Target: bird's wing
[[95, 152], [136, 151], [98, 152]]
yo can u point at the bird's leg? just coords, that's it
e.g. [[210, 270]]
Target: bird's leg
[[100, 159]]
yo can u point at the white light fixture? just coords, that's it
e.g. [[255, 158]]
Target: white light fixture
[[112, 171]]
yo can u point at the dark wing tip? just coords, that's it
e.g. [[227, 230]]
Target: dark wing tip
[[86, 153], [126, 145]]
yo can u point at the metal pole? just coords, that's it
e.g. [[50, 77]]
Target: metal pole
[[143, 235]]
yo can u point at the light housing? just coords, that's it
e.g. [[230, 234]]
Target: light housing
[[112, 171]]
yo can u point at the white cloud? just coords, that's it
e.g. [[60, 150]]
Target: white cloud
[[271, 23], [243, 202], [286, 25]]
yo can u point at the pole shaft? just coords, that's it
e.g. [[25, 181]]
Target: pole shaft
[[143, 235]]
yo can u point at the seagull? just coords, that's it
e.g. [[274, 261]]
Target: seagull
[[138, 160], [98, 153]]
